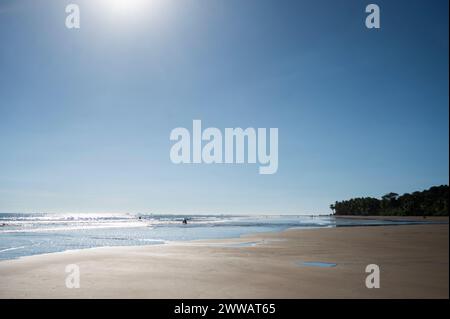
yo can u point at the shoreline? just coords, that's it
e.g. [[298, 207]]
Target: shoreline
[[413, 260], [416, 220]]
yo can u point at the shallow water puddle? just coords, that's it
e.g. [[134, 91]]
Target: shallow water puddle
[[316, 264], [245, 244]]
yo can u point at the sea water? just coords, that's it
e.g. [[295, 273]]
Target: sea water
[[32, 234]]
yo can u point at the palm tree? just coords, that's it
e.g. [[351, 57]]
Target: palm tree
[[332, 207]]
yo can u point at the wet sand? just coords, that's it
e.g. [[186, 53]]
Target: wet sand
[[413, 261]]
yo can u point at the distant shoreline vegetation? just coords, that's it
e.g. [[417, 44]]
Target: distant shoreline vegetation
[[430, 202]]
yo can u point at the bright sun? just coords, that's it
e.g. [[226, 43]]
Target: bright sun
[[128, 6], [129, 11]]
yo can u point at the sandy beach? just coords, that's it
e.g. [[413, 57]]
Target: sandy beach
[[413, 261]]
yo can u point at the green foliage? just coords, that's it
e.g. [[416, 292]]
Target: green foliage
[[431, 202]]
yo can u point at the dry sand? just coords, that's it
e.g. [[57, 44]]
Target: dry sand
[[413, 262]]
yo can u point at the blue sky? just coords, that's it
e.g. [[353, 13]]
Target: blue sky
[[85, 115]]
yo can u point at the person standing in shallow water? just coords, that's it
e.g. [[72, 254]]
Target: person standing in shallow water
[[184, 221]]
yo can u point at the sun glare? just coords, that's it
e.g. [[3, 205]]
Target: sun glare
[[128, 6], [131, 12]]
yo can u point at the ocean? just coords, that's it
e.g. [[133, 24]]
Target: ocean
[[40, 233]]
